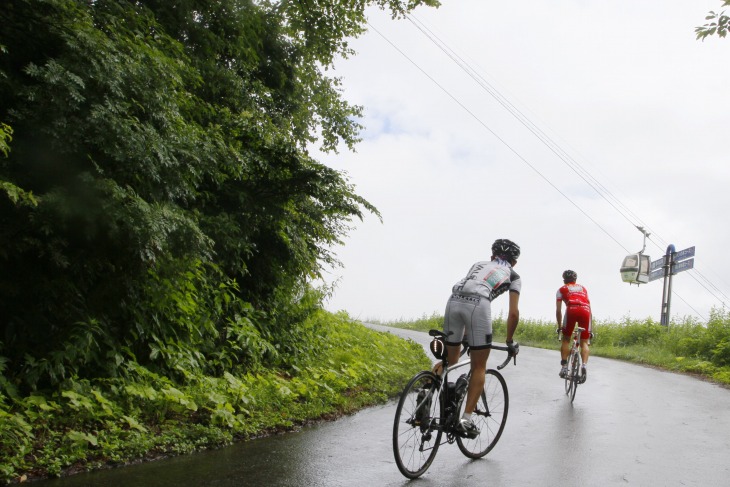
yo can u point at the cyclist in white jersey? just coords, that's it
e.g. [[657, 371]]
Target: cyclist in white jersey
[[468, 314]]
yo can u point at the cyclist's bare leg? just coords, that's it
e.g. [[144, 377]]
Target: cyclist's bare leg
[[452, 353], [565, 347], [584, 351], [476, 383]]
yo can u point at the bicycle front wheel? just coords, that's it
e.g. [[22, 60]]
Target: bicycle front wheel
[[490, 416], [416, 429]]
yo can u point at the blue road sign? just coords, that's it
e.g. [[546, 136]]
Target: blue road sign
[[683, 266], [677, 267], [656, 264], [654, 275], [684, 254]]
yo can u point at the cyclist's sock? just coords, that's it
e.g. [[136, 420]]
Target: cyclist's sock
[[563, 362], [466, 416]]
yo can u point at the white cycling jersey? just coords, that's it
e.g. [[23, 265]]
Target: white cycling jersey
[[489, 279]]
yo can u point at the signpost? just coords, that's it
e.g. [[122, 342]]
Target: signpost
[[654, 275], [684, 254], [683, 266], [672, 263], [657, 270]]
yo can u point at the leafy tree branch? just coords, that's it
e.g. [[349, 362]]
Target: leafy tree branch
[[717, 24]]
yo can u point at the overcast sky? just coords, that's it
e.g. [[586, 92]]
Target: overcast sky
[[621, 89]]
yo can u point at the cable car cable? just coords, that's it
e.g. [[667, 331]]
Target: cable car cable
[[563, 155], [504, 142], [597, 186], [569, 161]]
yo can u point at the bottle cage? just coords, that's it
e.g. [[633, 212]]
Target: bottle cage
[[437, 347]]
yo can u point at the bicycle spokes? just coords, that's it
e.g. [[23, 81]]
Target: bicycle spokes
[[482, 411], [416, 435], [489, 417]]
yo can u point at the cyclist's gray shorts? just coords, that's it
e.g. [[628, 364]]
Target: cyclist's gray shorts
[[469, 316]]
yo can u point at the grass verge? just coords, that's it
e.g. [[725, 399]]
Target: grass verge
[[95, 424], [687, 346]]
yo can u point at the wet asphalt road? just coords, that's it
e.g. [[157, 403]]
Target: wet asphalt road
[[629, 425]]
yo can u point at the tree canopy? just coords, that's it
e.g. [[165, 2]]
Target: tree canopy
[[158, 202]]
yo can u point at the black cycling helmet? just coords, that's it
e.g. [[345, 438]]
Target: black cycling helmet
[[506, 249], [570, 276]]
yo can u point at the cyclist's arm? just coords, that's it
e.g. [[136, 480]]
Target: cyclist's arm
[[513, 316], [559, 312]]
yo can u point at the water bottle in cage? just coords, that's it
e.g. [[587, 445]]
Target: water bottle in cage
[[451, 399], [460, 388]]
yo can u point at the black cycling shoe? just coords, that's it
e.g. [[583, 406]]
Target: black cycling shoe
[[467, 428], [583, 375]]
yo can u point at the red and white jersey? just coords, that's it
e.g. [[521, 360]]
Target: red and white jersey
[[573, 294]]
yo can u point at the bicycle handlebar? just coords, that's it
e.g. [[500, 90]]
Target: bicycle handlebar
[[435, 333], [509, 356]]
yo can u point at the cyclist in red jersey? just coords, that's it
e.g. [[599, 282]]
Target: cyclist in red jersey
[[577, 311]]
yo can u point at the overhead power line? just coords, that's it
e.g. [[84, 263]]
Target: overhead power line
[[553, 146], [506, 144]]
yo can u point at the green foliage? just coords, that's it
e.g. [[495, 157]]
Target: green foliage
[[161, 219], [687, 345], [107, 421], [709, 343], [629, 332], [424, 323], [528, 331], [153, 136], [6, 133], [189, 321], [17, 195], [718, 24]]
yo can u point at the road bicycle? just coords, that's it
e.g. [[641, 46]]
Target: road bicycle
[[574, 375], [431, 406]]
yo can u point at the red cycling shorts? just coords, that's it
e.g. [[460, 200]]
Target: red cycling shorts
[[580, 315]]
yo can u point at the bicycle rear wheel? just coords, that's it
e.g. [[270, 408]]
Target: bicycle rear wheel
[[490, 416], [574, 373], [416, 429]]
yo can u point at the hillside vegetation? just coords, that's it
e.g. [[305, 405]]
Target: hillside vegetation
[[340, 367], [162, 220], [687, 346]]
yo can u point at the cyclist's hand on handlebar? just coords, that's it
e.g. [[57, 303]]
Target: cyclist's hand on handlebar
[[513, 348]]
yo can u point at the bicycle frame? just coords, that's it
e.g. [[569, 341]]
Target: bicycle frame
[[440, 422], [426, 412], [577, 337], [575, 340], [443, 423], [572, 378]]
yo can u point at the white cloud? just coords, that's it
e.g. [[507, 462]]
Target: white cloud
[[622, 86]]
